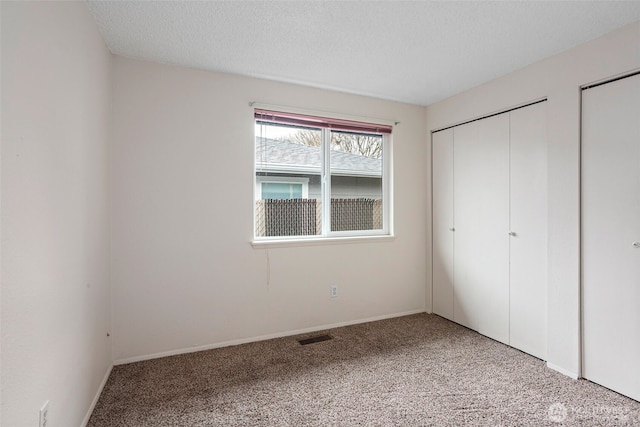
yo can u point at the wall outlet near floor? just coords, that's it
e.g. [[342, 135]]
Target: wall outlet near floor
[[334, 291], [44, 415]]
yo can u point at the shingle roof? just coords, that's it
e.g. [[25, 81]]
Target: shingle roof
[[273, 155]]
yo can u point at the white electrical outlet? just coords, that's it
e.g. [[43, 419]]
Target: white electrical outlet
[[44, 415], [334, 291]]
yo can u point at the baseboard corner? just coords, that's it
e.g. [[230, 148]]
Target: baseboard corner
[[85, 421], [563, 371]]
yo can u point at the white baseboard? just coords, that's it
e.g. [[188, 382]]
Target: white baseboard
[[563, 371], [96, 397], [262, 337]]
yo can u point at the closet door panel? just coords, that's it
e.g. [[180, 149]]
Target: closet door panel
[[528, 243], [481, 241], [442, 196], [466, 293], [610, 226]]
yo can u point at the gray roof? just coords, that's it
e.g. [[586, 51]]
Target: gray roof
[[273, 155]]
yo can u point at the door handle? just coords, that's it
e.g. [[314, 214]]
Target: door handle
[[512, 233], [636, 244], [452, 229]]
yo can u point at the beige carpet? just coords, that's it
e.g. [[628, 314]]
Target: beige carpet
[[408, 371]]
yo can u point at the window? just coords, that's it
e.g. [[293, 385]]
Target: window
[[320, 177], [281, 187]]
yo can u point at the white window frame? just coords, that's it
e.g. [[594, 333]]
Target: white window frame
[[327, 235], [281, 180]]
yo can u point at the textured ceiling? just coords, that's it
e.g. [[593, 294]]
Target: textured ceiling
[[417, 52]]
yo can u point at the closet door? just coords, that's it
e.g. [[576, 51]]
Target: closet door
[[611, 235], [442, 197], [481, 240], [528, 242]]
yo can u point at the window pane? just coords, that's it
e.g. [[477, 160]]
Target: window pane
[[356, 181], [281, 190], [288, 169]]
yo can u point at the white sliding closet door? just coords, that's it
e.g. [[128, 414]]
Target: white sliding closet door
[[528, 260], [481, 240], [611, 235], [442, 190]]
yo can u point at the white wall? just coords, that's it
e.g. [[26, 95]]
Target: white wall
[[56, 90], [184, 273], [1, 281], [559, 79]]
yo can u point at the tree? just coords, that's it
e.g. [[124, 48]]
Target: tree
[[355, 143], [307, 137]]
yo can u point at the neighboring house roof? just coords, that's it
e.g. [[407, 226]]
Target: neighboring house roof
[[277, 156]]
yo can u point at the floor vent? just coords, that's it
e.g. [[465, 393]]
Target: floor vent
[[316, 339]]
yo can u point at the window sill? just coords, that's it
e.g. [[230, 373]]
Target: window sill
[[285, 243]]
